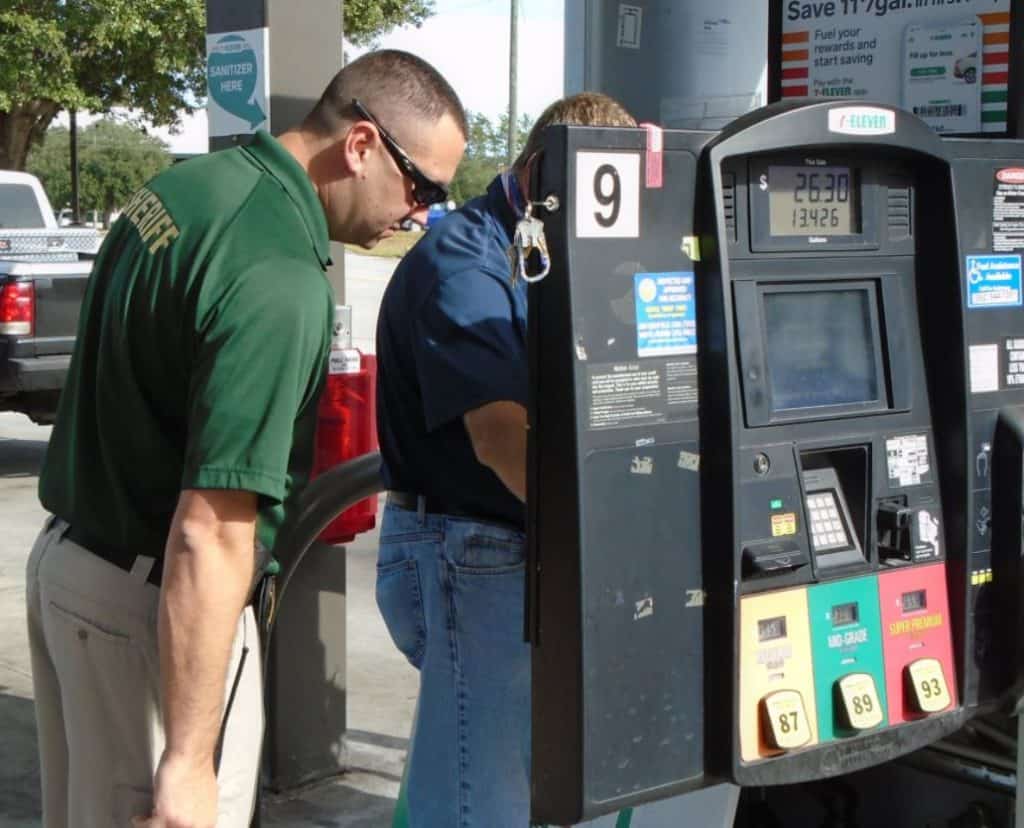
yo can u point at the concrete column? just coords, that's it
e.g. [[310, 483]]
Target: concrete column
[[305, 53], [306, 671]]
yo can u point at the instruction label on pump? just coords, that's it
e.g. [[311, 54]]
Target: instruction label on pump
[[993, 281], [666, 314], [907, 459]]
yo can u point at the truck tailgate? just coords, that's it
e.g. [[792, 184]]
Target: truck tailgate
[[59, 290]]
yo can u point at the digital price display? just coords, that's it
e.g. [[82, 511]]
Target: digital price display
[[813, 201], [843, 614], [769, 629], [913, 601]]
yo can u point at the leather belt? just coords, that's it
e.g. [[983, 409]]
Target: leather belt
[[426, 503], [434, 505], [113, 555]]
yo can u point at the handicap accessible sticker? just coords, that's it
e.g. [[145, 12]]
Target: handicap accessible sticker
[[237, 80], [666, 314], [993, 281]]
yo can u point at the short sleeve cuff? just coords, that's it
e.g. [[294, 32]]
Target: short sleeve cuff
[[266, 484]]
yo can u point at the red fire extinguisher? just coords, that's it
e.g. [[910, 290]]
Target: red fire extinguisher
[[347, 422]]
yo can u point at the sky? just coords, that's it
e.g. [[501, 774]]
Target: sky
[[468, 42]]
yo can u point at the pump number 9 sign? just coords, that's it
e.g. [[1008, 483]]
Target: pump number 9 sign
[[786, 720], [608, 195]]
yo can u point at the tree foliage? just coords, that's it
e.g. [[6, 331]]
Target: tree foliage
[[145, 55], [486, 153], [61, 54], [114, 160], [366, 20]]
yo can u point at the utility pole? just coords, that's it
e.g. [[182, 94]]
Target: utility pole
[[76, 217], [513, 109]]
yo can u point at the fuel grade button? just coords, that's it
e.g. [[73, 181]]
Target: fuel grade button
[[858, 699], [929, 692], [785, 720]]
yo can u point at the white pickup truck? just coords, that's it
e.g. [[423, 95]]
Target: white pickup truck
[[43, 272]]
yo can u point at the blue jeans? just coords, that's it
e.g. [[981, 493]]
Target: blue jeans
[[451, 593]]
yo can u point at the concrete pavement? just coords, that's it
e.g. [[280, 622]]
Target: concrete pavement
[[381, 686]]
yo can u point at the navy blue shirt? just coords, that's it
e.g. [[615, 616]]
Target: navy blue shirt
[[451, 337]]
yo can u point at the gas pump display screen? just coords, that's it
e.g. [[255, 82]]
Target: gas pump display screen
[[813, 201], [843, 614], [769, 629], [821, 348], [913, 601]]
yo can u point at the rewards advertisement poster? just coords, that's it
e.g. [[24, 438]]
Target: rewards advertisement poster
[[947, 61]]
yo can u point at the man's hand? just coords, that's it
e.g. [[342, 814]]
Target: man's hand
[[184, 796]]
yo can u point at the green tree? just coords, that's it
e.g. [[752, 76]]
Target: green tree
[[115, 159], [148, 55], [366, 20], [486, 153], [62, 54]]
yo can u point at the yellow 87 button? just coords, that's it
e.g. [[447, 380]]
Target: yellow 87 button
[[786, 720]]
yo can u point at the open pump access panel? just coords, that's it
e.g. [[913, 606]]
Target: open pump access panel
[[774, 483]]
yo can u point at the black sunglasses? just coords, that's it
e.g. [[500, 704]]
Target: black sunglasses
[[425, 191]]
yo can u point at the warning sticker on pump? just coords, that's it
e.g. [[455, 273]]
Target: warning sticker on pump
[[641, 393], [907, 459], [1014, 362], [1008, 211], [993, 281]]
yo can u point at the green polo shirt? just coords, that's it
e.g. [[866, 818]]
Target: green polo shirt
[[201, 351]]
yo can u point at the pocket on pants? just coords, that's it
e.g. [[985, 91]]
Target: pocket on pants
[[488, 551], [400, 601]]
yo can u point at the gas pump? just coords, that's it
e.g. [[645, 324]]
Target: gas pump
[[826, 500], [761, 409]]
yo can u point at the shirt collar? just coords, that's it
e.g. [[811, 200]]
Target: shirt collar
[[268, 153], [497, 202]]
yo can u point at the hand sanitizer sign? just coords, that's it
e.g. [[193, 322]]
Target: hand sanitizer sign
[[237, 81]]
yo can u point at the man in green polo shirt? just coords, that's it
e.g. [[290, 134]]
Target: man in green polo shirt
[[185, 429]]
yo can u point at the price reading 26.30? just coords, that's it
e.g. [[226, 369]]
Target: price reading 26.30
[[805, 201]]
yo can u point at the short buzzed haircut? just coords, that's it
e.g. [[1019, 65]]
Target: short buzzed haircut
[[584, 109], [391, 84]]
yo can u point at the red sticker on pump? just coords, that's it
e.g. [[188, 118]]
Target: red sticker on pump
[[1011, 175], [654, 156]]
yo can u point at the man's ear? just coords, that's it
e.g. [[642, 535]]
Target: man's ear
[[356, 146]]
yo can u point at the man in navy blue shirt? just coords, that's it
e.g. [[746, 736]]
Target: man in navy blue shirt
[[451, 401]]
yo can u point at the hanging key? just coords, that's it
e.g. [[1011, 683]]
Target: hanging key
[[529, 236]]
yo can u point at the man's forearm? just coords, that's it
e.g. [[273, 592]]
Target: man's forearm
[[497, 432], [507, 459], [207, 574]]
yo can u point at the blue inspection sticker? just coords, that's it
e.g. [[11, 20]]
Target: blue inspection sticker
[[993, 281], [666, 314]]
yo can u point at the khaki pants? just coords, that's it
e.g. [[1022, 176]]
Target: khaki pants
[[96, 674]]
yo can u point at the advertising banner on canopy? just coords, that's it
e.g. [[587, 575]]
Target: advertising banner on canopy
[[947, 62]]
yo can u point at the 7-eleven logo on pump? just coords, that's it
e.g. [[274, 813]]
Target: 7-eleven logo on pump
[[861, 120]]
